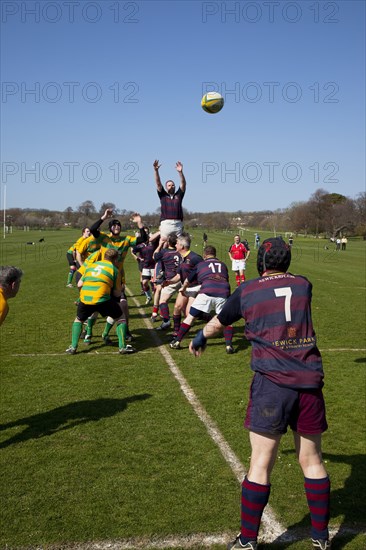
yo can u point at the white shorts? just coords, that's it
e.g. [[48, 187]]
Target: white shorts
[[192, 291], [208, 303], [238, 265], [147, 273], [170, 226], [168, 291]]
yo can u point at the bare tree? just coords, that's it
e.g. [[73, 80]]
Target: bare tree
[[87, 208]]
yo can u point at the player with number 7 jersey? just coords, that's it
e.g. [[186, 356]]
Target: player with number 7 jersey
[[286, 389], [278, 324]]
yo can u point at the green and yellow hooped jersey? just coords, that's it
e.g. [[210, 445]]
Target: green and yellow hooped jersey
[[87, 246], [99, 280]]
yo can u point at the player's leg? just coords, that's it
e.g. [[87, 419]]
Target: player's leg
[[228, 331], [267, 418], [255, 489], [311, 418], [179, 310], [72, 269], [146, 285], [89, 327], [83, 312], [157, 294], [166, 293], [184, 328]]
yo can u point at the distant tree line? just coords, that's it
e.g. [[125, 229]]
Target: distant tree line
[[324, 214]]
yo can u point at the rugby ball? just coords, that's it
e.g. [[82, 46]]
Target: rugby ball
[[212, 102]]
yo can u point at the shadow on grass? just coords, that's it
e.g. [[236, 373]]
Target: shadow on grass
[[346, 502], [66, 417]]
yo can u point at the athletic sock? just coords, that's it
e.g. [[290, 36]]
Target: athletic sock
[[237, 278], [76, 329], [164, 311], [89, 327], [184, 328], [121, 333], [70, 276], [254, 498], [176, 322], [318, 497], [243, 278], [228, 335], [108, 327]]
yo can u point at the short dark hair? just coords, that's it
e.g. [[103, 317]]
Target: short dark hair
[[209, 250], [9, 274], [172, 239]]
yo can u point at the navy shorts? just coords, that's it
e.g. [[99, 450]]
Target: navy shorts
[[273, 408], [110, 308]]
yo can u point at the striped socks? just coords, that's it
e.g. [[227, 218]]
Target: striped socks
[[254, 498], [318, 497]]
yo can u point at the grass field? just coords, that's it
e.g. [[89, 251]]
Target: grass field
[[101, 451]]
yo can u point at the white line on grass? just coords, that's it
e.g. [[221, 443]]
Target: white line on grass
[[116, 353], [273, 529]]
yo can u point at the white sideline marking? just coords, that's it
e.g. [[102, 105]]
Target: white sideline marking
[[273, 529], [96, 352], [191, 541]]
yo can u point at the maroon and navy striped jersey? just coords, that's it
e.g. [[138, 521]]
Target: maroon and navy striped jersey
[[189, 261], [171, 205], [170, 260], [146, 252], [278, 323], [213, 276]]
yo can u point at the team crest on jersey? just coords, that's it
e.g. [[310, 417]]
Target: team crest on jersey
[[291, 332]]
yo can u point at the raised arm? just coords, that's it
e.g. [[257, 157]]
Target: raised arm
[[95, 227], [159, 185], [183, 183], [136, 218]]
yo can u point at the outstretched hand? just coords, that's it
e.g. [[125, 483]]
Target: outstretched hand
[[179, 166], [136, 218], [108, 213], [156, 165]]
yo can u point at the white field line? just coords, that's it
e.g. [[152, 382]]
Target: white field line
[[147, 351], [272, 528], [194, 541]]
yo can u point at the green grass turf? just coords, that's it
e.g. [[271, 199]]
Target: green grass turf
[[100, 447]]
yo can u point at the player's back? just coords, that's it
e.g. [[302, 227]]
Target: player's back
[[213, 276], [277, 313], [170, 260], [98, 281], [188, 263]]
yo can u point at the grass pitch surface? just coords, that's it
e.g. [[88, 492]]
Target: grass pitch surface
[[100, 450]]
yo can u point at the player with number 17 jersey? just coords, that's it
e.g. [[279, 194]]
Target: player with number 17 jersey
[[213, 276]]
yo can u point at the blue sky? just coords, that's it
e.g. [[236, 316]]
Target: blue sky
[[93, 92]]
